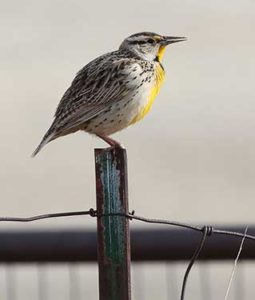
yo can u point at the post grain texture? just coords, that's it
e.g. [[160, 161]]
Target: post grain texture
[[113, 234]]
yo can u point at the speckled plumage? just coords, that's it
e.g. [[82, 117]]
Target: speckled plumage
[[111, 92]]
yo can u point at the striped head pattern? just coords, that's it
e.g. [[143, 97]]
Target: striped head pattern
[[149, 45]]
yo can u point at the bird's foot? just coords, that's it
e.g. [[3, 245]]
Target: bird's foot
[[110, 141]]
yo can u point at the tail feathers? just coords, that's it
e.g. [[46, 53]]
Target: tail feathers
[[46, 139]]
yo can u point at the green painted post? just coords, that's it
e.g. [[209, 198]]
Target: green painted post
[[112, 231]]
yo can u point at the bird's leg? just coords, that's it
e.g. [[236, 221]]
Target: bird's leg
[[110, 141]]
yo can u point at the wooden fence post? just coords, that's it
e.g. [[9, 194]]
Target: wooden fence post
[[112, 231]]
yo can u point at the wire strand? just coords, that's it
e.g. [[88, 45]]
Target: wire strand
[[132, 216], [235, 264], [46, 216], [193, 259]]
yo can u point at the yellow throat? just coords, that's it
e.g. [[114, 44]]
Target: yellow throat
[[159, 79]]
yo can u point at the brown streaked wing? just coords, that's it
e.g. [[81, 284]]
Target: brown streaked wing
[[95, 88]]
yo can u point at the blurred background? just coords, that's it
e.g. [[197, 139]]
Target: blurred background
[[191, 159]]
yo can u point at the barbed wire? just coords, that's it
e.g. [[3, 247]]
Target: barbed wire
[[93, 213], [205, 230], [211, 230]]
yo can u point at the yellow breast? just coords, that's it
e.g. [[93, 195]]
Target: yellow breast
[[159, 79]]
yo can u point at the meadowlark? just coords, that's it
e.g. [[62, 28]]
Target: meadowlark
[[113, 91]]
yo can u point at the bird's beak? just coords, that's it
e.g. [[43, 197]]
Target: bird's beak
[[166, 40]]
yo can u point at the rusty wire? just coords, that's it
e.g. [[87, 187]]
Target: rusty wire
[[205, 230]]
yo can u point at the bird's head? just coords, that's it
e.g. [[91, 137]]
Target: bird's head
[[148, 45]]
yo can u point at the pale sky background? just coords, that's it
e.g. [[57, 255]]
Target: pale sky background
[[192, 158]]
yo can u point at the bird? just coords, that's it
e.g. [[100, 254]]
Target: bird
[[113, 91]]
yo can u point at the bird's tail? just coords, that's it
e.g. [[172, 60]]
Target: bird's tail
[[49, 136]]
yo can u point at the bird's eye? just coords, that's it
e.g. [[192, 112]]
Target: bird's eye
[[151, 41]]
